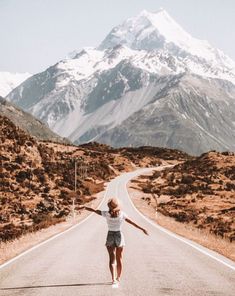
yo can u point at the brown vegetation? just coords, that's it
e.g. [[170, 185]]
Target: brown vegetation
[[199, 192]]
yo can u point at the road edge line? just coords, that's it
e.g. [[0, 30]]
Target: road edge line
[[54, 236]]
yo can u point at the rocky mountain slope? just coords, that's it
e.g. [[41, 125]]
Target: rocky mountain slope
[[28, 123], [9, 81], [194, 115], [38, 178], [199, 192], [148, 83]]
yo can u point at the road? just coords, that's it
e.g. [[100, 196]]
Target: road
[[76, 262]]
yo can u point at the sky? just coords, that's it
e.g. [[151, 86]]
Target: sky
[[35, 34]]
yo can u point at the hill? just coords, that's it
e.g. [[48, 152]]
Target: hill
[[199, 192]]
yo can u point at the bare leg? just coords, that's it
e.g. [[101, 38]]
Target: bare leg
[[111, 251], [119, 251]]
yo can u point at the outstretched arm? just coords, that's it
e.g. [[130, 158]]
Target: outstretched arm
[[98, 212], [137, 226]]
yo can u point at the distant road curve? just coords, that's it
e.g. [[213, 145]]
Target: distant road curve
[[76, 261]]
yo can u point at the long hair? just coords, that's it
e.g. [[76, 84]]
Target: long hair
[[114, 207]]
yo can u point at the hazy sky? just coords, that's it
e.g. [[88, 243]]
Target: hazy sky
[[35, 34]]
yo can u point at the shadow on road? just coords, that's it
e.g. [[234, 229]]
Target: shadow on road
[[56, 286]]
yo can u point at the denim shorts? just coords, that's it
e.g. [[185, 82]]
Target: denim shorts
[[115, 239]]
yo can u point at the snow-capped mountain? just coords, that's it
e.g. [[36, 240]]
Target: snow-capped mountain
[[9, 81], [145, 68]]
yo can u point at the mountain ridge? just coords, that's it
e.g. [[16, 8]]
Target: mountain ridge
[[99, 88], [32, 126]]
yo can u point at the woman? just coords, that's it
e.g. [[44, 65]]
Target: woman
[[115, 238]]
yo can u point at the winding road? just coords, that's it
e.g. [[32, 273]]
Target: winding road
[[76, 261]]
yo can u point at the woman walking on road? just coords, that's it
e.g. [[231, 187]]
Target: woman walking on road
[[115, 238]]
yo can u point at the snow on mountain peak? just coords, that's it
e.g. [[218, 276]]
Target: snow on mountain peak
[[159, 31], [9, 81], [167, 27], [160, 12], [90, 60], [136, 31], [153, 42]]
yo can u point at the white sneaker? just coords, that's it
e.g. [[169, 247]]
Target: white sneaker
[[115, 284]]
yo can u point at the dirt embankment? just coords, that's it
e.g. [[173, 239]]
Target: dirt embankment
[[197, 196]]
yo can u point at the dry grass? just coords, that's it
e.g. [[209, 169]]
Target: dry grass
[[200, 236], [11, 249]]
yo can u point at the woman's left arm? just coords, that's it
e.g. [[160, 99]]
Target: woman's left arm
[[136, 225]]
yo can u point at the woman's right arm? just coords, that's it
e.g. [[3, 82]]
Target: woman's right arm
[[98, 212], [136, 225]]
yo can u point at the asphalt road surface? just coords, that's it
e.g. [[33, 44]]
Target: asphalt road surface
[[76, 262]]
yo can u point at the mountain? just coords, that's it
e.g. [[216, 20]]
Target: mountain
[[28, 123], [148, 83], [9, 81]]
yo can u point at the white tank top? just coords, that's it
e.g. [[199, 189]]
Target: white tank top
[[114, 223]]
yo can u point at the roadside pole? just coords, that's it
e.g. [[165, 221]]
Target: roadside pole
[[155, 197], [75, 188], [75, 175], [73, 210]]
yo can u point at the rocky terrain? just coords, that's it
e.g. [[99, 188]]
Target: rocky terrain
[[38, 178], [199, 192]]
